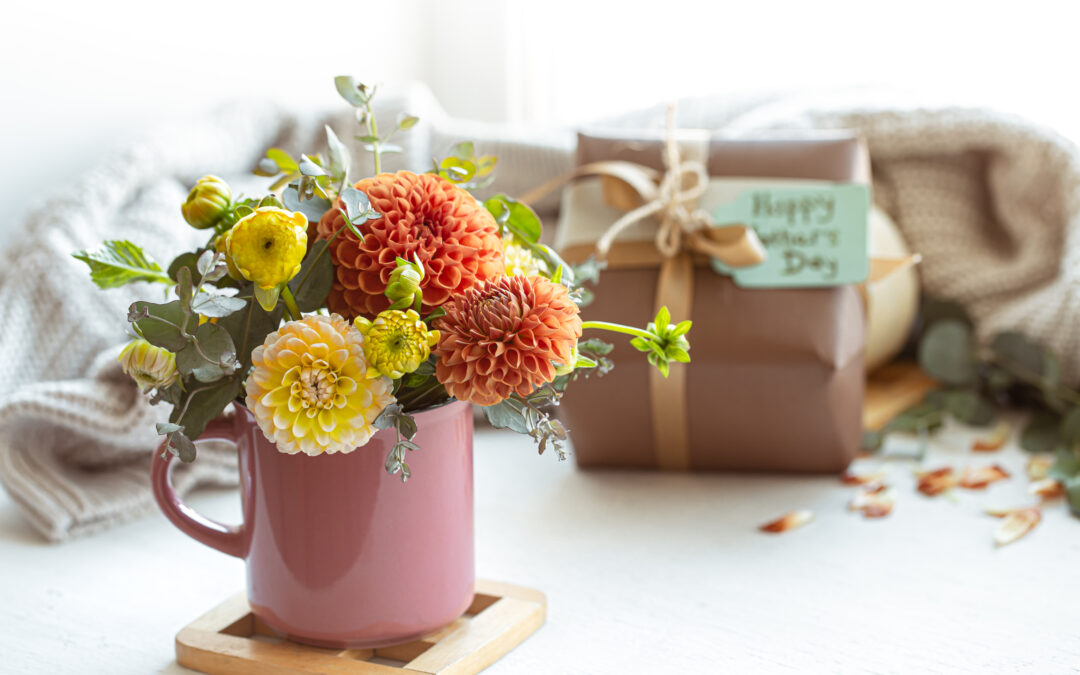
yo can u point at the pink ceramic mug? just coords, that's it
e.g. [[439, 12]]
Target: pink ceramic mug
[[339, 552]]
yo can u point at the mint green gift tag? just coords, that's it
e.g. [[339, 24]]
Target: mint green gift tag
[[813, 236]]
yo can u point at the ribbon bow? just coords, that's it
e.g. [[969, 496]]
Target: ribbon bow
[[673, 200]]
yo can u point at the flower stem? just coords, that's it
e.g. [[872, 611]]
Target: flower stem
[[617, 328], [290, 303], [373, 131]]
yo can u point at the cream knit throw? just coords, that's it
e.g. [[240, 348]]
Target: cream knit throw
[[989, 200]]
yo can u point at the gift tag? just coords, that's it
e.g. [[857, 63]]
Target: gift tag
[[813, 236]]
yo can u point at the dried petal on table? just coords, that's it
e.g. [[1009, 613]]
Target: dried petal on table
[[875, 501], [1002, 512], [995, 441], [977, 478], [1038, 466], [1047, 488], [788, 521], [933, 483], [850, 478], [1017, 524]]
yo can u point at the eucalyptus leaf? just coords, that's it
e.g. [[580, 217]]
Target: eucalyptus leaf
[[507, 414], [340, 160], [1017, 349], [313, 208], [248, 328], [188, 260], [357, 205], [182, 446], [204, 403], [1072, 494], [970, 407], [119, 262], [347, 87], [313, 282], [1070, 427], [167, 428], [308, 167], [407, 121], [947, 352], [160, 324], [216, 305], [1066, 465], [1042, 433]]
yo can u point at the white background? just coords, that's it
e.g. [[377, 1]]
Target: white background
[[79, 78]]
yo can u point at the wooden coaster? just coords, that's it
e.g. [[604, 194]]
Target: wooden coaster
[[229, 639], [891, 390]]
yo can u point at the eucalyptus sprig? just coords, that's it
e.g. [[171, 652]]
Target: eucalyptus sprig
[[979, 379], [360, 96]]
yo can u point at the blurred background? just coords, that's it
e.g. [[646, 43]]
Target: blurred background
[[82, 78]]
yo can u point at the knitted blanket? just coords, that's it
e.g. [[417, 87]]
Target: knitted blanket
[[988, 199]]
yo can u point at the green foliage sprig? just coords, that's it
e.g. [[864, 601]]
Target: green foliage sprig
[[978, 380]]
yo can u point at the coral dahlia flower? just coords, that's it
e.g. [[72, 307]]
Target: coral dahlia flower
[[505, 336], [309, 390], [454, 237]]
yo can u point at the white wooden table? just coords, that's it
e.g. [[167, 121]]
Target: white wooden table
[[644, 572]]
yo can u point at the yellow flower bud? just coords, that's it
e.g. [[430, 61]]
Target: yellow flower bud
[[207, 202], [268, 245], [151, 367]]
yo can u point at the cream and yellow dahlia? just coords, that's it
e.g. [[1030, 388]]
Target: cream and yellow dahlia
[[309, 389], [520, 261], [396, 342], [268, 245], [151, 367]]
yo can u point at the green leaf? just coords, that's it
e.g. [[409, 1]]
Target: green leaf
[[167, 428], [182, 446], [922, 417], [1072, 494], [313, 208], [1066, 465], [188, 260], [406, 121], [521, 220], [213, 357], [204, 403], [267, 297], [934, 310], [1042, 433], [216, 305], [349, 90], [357, 206], [118, 263], [463, 149], [508, 414], [970, 407], [340, 160], [309, 167], [248, 329], [1070, 427], [1017, 349], [947, 353], [313, 282], [872, 440], [595, 346], [284, 161], [185, 289], [457, 170], [159, 324]]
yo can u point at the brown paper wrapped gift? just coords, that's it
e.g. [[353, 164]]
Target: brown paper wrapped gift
[[776, 382]]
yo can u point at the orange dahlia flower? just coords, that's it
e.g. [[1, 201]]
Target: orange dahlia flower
[[505, 336], [455, 238]]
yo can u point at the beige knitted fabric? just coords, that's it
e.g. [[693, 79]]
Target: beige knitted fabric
[[989, 200]]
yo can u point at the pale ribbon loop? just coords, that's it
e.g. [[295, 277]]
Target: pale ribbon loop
[[681, 223]]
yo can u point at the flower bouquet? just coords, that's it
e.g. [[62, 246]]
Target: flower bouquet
[[328, 310]]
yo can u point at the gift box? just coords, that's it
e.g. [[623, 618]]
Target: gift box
[[776, 380]]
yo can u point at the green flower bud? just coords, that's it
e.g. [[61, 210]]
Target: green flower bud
[[207, 203], [403, 289]]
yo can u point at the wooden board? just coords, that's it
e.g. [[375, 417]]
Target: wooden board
[[229, 640], [892, 389]]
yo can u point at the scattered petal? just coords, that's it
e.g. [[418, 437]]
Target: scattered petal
[[1016, 525], [1002, 512], [994, 441], [1038, 466], [978, 478], [933, 483], [875, 501], [1047, 488], [788, 521], [849, 478]]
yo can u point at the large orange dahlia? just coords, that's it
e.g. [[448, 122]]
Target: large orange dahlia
[[505, 336], [455, 238]]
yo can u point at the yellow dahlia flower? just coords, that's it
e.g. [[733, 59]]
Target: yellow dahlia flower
[[309, 390], [267, 246], [151, 367], [520, 261], [396, 342]]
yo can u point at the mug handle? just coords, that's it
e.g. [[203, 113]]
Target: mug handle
[[225, 538]]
